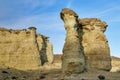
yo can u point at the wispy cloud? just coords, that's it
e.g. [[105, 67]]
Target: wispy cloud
[[69, 3], [48, 21], [107, 14], [47, 24], [15, 8], [106, 11], [36, 3]]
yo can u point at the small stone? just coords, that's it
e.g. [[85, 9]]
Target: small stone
[[14, 77], [101, 77], [42, 76], [5, 72]]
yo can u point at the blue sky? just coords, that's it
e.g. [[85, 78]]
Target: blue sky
[[44, 15]]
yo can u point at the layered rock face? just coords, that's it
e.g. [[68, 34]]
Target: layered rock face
[[90, 33], [45, 49], [72, 60], [95, 44], [21, 49]]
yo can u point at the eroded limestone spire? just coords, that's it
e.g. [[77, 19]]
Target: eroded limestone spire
[[72, 60]]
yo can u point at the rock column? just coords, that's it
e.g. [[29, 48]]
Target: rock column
[[72, 60], [95, 44]]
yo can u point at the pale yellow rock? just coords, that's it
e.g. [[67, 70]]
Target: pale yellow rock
[[95, 44], [49, 52], [45, 49], [73, 61], [92, 42], [20, 49], [115, 64]]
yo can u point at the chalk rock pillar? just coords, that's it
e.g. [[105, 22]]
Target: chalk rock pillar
[[96, 48], [72, 60], [49, 51], [45, 49]]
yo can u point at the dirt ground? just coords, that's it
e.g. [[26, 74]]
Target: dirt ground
[[53, 72], [13, 74]]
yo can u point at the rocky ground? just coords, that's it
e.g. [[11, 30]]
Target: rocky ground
[[53, 72]]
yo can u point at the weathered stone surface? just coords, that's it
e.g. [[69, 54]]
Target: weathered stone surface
[[72, 60], [92, 41], [45, 48], [42, 48], [49, 52], [21, 48], [95, 44]]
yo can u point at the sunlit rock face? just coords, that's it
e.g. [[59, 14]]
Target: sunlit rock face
[[21, 49], [73, 61], [49, 52], [45, 49], [95, 44], [91, 51]]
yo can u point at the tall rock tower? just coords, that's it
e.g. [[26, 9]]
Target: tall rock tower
[[72, 60]]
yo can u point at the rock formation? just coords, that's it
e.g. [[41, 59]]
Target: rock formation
[[49, 52], [72, 60], [45, 48], [95, 44], [22, 49], [90, 33]]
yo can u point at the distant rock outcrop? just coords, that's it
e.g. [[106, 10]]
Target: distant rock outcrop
[[115, 64], [73, 61], [92, 43], [24, 49]]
